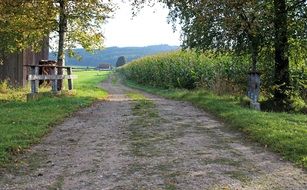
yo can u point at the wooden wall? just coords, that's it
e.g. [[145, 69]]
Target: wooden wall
[[13, 68]]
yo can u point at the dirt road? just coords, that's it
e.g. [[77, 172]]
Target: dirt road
[[148, 143]]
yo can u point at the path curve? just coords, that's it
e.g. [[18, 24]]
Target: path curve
[[158, 144]]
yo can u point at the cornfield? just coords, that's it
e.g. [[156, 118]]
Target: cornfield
[[189, 70], [223, 74]]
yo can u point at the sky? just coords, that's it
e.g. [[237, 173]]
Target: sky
[[149, 27]]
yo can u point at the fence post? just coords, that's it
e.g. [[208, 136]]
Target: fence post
[[34, 83], [36, 80], [54, 83], [70, 82]]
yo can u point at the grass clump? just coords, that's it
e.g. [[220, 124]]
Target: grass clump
[[23, 123], [4, 87]]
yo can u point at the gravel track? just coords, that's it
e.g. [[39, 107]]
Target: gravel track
[[170, 145]]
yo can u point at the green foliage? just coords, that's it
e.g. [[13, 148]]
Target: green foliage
[[82, 22], [121, 61], [4, 87], [281, 132], [190, 70], [25, 24], [24, 123]]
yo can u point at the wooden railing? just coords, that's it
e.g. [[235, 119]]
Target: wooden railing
[[34, 77]]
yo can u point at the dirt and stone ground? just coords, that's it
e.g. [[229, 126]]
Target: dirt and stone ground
[[147, 143]]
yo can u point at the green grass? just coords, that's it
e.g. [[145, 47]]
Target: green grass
[[283, 133], [23, 123]]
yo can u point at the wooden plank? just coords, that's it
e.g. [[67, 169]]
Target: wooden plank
[[33, 84], [50, 77], [36, 69], [54, 82], [64, 67], [70, 81]]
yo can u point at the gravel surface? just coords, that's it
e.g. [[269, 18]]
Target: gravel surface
[[118, 144]]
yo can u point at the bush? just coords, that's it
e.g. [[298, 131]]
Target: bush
[[4, 87]]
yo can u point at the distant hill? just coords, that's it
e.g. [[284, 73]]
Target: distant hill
[[110, 55]]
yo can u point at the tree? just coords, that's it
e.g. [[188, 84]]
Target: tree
[[228, 26], [286, 12], [244, 26], [26, 23], [79, 24], [282, 75], [121, 61]]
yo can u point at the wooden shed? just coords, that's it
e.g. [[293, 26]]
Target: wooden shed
[[13, 68]]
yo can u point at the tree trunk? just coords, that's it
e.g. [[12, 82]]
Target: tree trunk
[[254, 51], [282, 74], [62, 31]]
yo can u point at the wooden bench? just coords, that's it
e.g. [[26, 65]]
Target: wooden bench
[[34, 77]]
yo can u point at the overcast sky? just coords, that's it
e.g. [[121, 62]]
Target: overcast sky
[[149, 27]]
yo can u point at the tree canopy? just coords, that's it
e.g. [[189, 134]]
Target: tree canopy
[[24, 24], [83, 20], [121, 61]]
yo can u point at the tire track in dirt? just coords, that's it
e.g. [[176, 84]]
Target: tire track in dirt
[[152, 143]]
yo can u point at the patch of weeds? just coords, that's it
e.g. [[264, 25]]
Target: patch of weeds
[[57, 184], [168, 175], [114, 80], [135, 167], [26, 164], [222, 161], [144, 139], [146, 116], [140, 148], [170, 185], [145, 108], [239, 175], [170, 180], [4, 86], [36, 160]]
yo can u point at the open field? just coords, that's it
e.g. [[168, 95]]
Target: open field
[[24, 123]]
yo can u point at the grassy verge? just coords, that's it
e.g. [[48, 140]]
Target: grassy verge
[[24, 123], [283, 133]]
